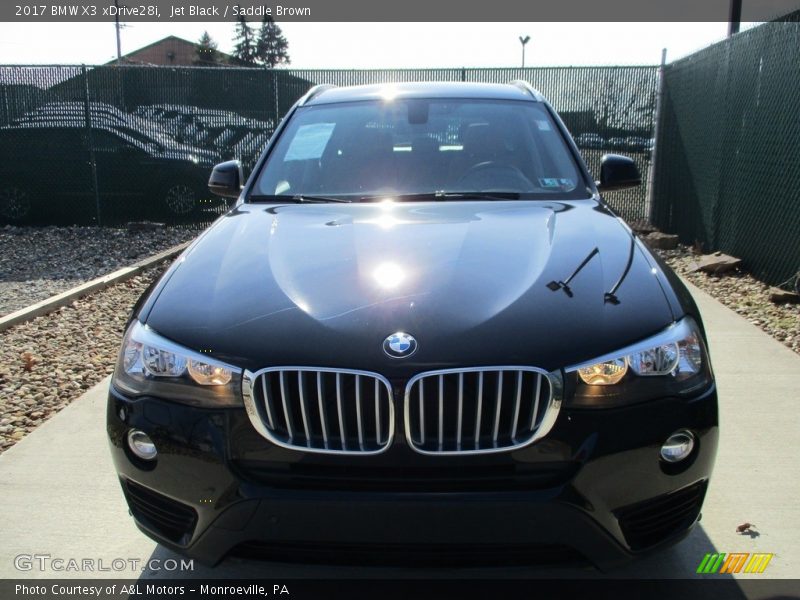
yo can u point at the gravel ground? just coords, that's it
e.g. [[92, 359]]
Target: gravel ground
[[49, 361], [39, 262], [744, 294]]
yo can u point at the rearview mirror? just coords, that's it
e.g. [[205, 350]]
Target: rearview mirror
[[226, 179], [618, 173]]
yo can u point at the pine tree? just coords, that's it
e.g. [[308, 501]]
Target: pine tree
[[272, 46], [207, 54], [244, 47]]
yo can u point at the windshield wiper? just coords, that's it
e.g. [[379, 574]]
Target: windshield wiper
[[436, 196], [297, 198], [610, 297], [478, 195], [443, 196], [564, 285]]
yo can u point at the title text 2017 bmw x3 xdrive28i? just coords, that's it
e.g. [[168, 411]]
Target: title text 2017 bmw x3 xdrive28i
[[420, 330]]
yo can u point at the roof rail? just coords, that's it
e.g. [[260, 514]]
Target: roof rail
[[315, 91], [527, 88]]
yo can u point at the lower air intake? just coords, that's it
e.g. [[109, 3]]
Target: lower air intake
[[172, 519], [650, 522]]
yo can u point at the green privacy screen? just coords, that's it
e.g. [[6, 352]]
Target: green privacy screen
[[728, 165], [109, 144]]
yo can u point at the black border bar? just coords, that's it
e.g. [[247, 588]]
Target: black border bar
[[598, 11], [715, 587]]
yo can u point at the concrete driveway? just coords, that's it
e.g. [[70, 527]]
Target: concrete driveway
[[59, 495]]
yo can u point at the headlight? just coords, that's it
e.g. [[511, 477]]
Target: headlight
[[672, 363], [150, 365]]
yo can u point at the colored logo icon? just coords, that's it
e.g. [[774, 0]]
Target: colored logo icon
[[400, 345]]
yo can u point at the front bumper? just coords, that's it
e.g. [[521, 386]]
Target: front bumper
[[595, 486]]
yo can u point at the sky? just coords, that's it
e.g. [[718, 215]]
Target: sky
[[382, 45]]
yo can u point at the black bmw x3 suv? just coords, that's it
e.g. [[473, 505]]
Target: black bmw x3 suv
[[419, 332]]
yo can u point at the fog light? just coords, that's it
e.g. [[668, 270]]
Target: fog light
[[141, 444], [678, 446]]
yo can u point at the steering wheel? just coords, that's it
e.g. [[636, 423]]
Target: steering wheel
[[494, 176]]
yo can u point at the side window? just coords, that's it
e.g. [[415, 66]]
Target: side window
[[105, 141], [57, 142], [13, 139], [22, 145]]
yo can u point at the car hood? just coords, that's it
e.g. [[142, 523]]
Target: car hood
[[475, 282]]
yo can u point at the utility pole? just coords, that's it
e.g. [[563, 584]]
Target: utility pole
[[116, 23], [734, 17], [523, 41]]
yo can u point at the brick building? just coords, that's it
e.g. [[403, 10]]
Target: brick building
[[170, 51]]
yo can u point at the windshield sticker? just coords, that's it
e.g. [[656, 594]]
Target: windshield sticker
[[543, 125], [309, 141], [556, 183]]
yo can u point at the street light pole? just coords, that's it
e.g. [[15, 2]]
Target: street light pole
[[523, 41]]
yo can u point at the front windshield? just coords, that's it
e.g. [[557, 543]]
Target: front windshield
[[421, 146]]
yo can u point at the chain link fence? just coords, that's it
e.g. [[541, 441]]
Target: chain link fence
[[110, 144], [727, 166]]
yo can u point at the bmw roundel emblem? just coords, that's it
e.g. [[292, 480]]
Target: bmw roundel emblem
[[400, 345]]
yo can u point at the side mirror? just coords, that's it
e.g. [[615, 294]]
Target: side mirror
[[618, 173], [226, 179]]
